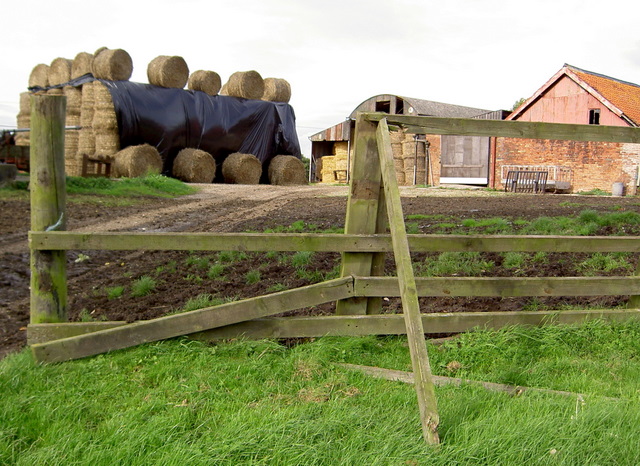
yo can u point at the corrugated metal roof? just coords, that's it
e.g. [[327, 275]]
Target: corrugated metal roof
[[439, 109], [624, 95]]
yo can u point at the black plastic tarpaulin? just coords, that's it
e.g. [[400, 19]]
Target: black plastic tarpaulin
[[174, 119]]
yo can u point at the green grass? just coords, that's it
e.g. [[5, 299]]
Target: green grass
[[115, 292], [454, 263], [242, 402], [252, 277], [143, 286]]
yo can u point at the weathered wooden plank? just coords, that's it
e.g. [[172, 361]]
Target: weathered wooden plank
[[512, 129], [328, 242], [362, 209], [502, 286], [441, 381], [360, 325], [40, 333], [425, 392], [190, 322], [48, 290]]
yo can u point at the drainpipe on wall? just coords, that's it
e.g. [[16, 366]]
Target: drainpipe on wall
[[492, 162]]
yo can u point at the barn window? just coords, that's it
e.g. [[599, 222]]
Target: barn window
[[383, 106], [399, 106], [594, 116]]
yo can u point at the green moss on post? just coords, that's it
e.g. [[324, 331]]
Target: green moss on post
[[47, 185]]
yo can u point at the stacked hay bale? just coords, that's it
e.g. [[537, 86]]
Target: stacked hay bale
[[205, 81], [286, 170], [86, 138], [104, 123], [397, 138], [328, 169], [72, 158], [135, 161], [239, 168], [81, 65], [39, 76], [194, 166], [166, 71], [341, 153], [23, 119], [112, 65], [245, 84], [276, 90]]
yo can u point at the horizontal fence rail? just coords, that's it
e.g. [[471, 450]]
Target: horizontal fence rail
[[326, 242], [510, 129]]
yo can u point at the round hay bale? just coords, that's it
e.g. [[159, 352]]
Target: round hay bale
[[194, 166], [113, 65], [240, 168], [246, 84], [25, 103], [205, 81], [86, 141], [223, 89], [166, 71], [39, 76], [99, 50], [276, 90], [59, 71], [74, 99], [104, 113], [23, 120], [286, 170], [136, 161], [87, 105], [81, 65]]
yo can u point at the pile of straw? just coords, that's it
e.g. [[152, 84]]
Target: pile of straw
[[81, 65], [205, 81], [137, 161], [328, 167], [112, 65], [245, 84], [194, 166], [39, 76], [166, 71], [276, 90], [59, 71], [72, 159], [286, 170], [240, 168]]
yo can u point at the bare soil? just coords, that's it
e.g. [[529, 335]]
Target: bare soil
[[180, 276]]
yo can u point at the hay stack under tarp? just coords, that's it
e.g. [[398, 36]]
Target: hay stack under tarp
[[194, 166], [205, 81], [245, 84], [166, 71], [23, 119], [59, 71], [240, 168], [74, 99], [39, 76], [113, 65], [81, 65], [137, 161], [86, 138], [286, 170], [276, 90]]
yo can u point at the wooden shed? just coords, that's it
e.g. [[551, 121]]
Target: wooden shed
[[419, 159], [574, 95]]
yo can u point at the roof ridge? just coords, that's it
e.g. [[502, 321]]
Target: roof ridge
[[600, 75]]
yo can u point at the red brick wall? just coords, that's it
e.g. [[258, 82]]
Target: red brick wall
[[594, 165]]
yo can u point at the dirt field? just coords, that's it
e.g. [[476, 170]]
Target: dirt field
[[231, 208]]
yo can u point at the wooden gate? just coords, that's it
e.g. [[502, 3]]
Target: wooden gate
[[373, 206]]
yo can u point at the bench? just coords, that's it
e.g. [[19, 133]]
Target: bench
[[526, 181]]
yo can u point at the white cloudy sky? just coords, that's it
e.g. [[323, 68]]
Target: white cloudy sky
[[337, 53]]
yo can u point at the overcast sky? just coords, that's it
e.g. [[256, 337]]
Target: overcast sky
[[337, 53]]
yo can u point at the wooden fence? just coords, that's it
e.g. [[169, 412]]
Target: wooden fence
[[373, 208]]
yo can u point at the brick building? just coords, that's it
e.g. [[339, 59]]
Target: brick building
[[578, 96]]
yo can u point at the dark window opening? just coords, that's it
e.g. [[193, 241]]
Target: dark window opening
[[383, 106], [399, 106], [594, 116]]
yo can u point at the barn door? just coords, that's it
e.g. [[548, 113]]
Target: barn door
[[465, 160]]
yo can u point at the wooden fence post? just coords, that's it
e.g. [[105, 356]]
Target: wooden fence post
[[48, 196], [362, 214]]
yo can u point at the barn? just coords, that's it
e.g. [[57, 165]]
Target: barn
[[419, 158], [574, 95]]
